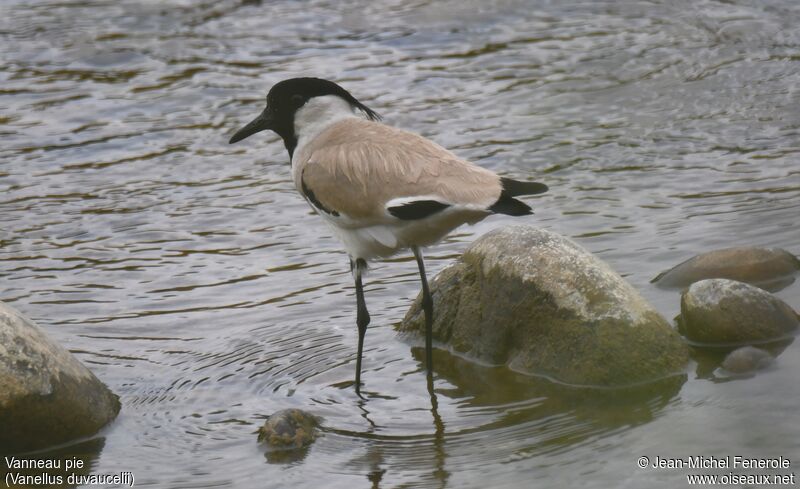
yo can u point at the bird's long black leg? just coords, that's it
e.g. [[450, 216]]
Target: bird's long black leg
[[427, 306], [362, 315]]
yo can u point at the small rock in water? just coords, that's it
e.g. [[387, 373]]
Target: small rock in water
[[747, 359], [726, 312], [289, 429], [768, 268]]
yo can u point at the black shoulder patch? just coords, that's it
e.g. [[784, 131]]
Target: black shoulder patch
[[309, 194], [418, 209]]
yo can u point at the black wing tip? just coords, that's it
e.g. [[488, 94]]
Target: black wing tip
[[511, 207], [507, 204], [514, 188]]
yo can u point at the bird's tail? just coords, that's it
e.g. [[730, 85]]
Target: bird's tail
[[507, 204]]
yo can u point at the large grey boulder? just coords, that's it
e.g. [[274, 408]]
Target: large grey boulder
[[768, 268], [46, 395], [727, 312], [540, 303]]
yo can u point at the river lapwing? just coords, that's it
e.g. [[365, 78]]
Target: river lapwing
[[381, 189]]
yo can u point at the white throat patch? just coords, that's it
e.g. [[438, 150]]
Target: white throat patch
[[317, 115]]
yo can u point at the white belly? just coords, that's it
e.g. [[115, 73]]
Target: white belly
[[386, 239]]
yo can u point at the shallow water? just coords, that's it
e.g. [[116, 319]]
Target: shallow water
[[194, 281]]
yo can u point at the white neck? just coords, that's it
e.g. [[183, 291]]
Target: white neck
[[318, 114]]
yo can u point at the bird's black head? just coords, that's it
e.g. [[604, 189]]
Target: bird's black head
[[283, 102]]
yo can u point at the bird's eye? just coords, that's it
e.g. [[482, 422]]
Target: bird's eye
[[297, 100]]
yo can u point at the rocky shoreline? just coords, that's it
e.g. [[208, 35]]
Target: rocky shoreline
[[539, 303]]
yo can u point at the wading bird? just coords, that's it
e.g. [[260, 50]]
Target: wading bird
[[381, 189]]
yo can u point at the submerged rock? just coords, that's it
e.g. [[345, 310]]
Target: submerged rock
[[727, 312], [289, 429], [46, 395], [768, 268], [539, 303], [747, 359]]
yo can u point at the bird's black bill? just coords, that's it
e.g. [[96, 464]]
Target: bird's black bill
[[260, 123]]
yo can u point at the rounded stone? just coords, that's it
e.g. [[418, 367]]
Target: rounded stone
[[769, 268], [47, 396], [289, 429], [747, 359], [541, 304], [727, 312]]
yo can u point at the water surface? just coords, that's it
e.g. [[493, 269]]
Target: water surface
[[194, 281]]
